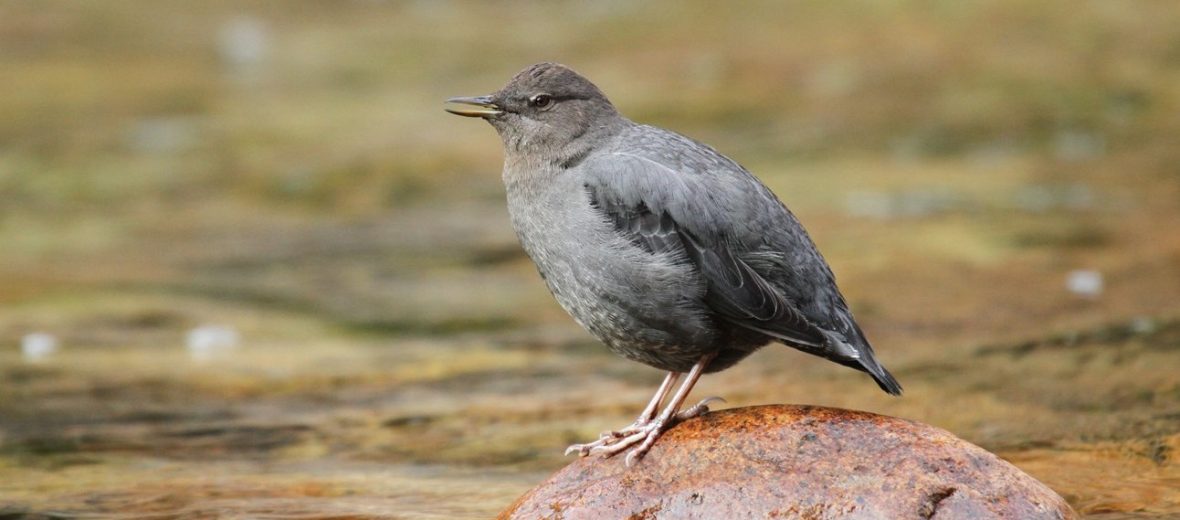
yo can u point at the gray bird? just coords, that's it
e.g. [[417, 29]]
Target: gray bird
[[670, 253]]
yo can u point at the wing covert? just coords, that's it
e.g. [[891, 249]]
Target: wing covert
[[641, 199]]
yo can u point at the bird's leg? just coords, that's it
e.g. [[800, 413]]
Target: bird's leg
[[649, 412], [646, 435], [644, 418]]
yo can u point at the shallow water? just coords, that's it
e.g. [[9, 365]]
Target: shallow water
[[457, 393], [274, 280], [346, 426]]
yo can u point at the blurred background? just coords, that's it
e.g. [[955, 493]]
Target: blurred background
[[248, 266]]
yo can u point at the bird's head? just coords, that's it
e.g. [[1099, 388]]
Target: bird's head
[[544, 108]]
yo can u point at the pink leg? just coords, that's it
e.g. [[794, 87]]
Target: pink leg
[[649, 412], [644, 418], [647, 434]]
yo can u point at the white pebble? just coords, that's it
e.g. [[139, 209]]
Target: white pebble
[[243, 41], [1085, 282], [209, 341], [38, 346]]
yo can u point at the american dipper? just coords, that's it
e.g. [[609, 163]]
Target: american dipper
[[668, 252]]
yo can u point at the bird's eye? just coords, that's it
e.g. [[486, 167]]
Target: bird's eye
[[541, 101]]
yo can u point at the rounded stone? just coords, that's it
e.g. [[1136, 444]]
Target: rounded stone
[[801, 462]]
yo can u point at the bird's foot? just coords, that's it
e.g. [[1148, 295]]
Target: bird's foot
[[645, 436], [607, 438], [643, 433]]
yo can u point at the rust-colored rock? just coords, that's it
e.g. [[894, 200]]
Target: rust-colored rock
[[796, 462]]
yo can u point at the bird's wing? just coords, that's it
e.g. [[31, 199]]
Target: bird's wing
[[666, 211]]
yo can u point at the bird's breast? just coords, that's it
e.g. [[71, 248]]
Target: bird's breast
[[634, 301]]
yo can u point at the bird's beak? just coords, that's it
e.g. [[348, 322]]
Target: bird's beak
[[481, 106]]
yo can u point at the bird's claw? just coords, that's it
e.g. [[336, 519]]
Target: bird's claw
[[605, 439], [634, 455], [581, 449], [645, 437], [643, 433], [698, 409]]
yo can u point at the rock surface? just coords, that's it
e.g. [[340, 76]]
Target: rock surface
[[796, 462]]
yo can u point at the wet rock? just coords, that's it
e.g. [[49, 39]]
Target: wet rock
[[796, 462]]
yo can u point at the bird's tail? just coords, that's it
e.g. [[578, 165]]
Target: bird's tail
[[856, 354], [883, 378], [867, 361]]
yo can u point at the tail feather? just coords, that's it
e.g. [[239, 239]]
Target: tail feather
[[863, 359], [867, 360], [883, 378], [838, 350]]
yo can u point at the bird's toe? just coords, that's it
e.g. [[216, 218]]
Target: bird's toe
[[698, 409]]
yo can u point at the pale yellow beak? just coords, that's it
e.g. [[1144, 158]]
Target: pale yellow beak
[[481, 106]]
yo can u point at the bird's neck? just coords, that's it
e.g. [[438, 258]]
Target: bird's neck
[[525, 158], [525, 171]]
